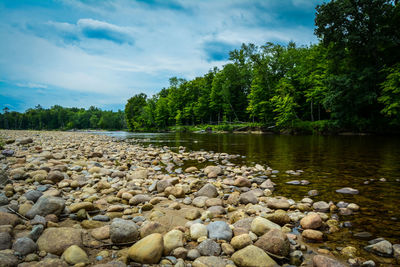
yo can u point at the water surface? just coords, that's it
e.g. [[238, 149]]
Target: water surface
[[328, 162]]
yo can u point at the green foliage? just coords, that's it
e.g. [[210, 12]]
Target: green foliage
[[134, 110], [347, 82], [391, 94], [58, 117], [362, 39]]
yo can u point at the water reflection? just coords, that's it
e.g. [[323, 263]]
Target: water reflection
[[329, 163]]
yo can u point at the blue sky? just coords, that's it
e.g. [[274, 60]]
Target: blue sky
[[81, 53]]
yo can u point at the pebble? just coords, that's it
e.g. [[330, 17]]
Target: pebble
[[123, 231], [219, 230], [198, 230], [311, 221], [24, 246], [148, 249], [260, 226], [173, 239], [382, 248], [347, 190], [313, 235], [209, 248], [121, 192], [252, 256], [75, 255]]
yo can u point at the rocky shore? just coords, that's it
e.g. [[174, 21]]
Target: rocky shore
[[77, 199]]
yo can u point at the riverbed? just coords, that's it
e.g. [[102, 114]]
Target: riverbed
[[370, 164]]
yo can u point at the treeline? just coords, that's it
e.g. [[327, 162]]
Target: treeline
[[58, 117], [350, 80]]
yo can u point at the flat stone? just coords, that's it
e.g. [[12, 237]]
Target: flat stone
[[294, 182], [260, 226], [321, 206], [363, 235], [242, 182], [383, 248], [139, 199], [214, 202], [81, 205], [253, 256], [313, 235], [101, 218], [325, 261], [191, 169], [139, 174], [210, 261], [46, 205], [278, 203], [24, 141], [347, 190], [91, 224], [56, 240]]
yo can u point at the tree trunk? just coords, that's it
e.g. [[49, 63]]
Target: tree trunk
[[311, 107], [319, 112]]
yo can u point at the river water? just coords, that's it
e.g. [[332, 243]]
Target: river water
[[328, 162]]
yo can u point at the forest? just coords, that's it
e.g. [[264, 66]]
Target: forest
[[58, 117], [349, 81]]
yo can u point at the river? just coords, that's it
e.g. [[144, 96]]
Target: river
[[328, 162]]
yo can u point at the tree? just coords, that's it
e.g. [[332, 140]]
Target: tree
[[284, 104], [391, 94], [133, 111], [362, 38]]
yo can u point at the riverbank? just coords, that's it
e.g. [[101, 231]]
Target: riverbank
[[323, 127], [194, 208]]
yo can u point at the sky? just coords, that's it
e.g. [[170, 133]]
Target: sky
[[82, 53]]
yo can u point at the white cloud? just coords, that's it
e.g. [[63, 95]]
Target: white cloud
[[31, 85], [120, 48]]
